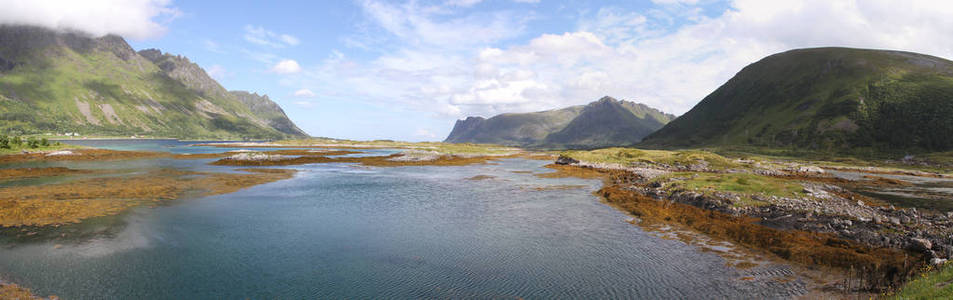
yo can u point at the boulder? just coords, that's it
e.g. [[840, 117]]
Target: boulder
[[566, 160], [920, 244], [810, 169]]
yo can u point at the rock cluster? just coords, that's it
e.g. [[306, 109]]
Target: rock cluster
[[824, 208]]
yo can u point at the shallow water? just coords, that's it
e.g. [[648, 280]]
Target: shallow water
[[347, 231], [925, 192]]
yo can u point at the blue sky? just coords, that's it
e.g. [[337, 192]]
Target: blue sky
[[374, 69]]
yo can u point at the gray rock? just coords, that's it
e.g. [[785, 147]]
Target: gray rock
[[565, 160], [921, 244], [937, 261], [810, 169]]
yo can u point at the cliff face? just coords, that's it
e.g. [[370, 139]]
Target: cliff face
[[55, 82], [464, 130], [607, 122], [262, 107]]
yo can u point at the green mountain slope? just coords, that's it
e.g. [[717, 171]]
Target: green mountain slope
[[607, 122], [56, 82], [826, 99]]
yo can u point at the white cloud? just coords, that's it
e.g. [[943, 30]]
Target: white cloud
[[685, 2], [138, 19], [217, 72], [637, 56], [287, 66], [261, 36], [304, 93], [429, 26]]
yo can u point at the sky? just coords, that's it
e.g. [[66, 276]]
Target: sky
[[406, 70]]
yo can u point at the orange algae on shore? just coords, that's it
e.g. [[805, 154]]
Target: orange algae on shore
[[80, 155], [881, 267], [394, 160], [291, 152], [73, 201], [8, 174], [13, 291]]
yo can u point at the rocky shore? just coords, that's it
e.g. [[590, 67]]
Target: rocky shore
[[825, 206]]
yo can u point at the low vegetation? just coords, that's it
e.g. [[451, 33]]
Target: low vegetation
[[933, 284], [627, 156], [16, 144], [747, 186]]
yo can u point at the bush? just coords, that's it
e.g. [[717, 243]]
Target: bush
[[4, 142], [44, 142], [32, 143]]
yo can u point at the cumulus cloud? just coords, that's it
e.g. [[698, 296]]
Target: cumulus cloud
[[304, 93], [137, 19], [635, 55], [261, 36], [286, 66]]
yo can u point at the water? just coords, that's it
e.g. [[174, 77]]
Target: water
[[346, 231]]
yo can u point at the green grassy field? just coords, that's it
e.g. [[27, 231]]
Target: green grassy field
[[937, 284]]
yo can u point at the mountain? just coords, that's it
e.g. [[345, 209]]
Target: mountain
[[607, 122], [512, 129], [828, 99], [57, 82], [265, 109]]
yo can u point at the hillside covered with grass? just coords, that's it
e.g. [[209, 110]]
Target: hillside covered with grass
[[67, 82], [826, 99]]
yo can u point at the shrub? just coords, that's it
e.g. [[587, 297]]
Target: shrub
[[32, 142], [4, 142]]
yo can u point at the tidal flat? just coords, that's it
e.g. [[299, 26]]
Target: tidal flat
[[463, 221]]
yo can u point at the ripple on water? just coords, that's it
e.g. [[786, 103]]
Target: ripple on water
[[336, 231]]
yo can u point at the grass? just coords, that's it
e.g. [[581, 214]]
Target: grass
[[930, 285], [937, 162], [14, 149], [744, 184], [625, 156]]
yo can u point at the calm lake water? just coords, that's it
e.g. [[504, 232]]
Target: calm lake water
[[347, 231]]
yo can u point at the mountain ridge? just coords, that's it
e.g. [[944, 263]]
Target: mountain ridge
[[826, 99], [580, 126], [63, 81]]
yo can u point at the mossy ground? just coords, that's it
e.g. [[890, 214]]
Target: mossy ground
[[625, 156], [745, 185]]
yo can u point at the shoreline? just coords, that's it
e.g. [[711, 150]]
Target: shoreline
[[852, 262], [869, 267]]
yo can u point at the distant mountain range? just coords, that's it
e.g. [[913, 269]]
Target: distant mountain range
[[56, 82], [603, 123], [826, 99]]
